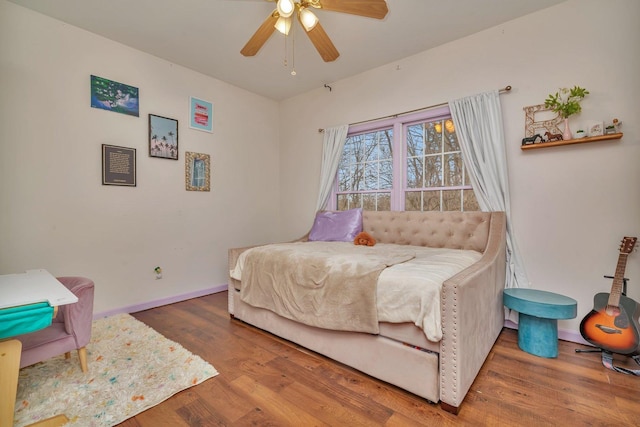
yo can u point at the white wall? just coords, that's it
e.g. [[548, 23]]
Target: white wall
[[54, 212], [571, 205]]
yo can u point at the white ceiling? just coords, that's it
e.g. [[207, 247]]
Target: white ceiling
[[207, 35]]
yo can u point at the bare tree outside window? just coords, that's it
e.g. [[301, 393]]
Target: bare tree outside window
[[365, 173], [433, 175], [435, 171]]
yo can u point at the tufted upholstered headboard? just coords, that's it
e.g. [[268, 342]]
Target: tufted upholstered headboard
[[455, 230]]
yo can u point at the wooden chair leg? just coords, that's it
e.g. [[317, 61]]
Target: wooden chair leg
[[9, 366], [82, 355], [67, 355]]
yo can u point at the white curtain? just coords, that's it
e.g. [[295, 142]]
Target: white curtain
[[332, 146], [478, 123]]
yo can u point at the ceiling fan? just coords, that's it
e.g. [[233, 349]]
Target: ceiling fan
[[282, 17]]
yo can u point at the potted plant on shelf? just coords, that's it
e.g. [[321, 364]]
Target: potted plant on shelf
[[566, 102]]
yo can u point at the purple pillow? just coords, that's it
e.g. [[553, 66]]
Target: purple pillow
[[340, 226]]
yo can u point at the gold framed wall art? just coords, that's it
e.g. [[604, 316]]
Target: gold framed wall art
[[197, 173]]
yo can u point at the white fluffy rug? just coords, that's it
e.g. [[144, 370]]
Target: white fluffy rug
[[131, 368]]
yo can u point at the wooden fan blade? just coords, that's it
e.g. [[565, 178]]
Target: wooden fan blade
[[323, 43], [369, 8], [261, 35]]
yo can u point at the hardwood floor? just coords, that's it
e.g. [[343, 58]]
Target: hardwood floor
[[266, 381]]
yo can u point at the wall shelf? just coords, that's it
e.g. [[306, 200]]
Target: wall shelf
[[611, 136]]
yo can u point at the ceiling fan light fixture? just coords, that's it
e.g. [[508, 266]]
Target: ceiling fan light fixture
[[285, 8], [283, 25], [308, 19], [313, 30]]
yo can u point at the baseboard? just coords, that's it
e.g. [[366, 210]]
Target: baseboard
[[160, 302], [563, 334]]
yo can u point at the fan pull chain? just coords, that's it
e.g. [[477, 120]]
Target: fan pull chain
[[293, 52], [285, 50]]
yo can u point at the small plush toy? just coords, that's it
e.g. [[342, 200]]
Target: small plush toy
[[365, 239]]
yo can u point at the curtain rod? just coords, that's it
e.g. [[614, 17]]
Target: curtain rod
[[442, 104]]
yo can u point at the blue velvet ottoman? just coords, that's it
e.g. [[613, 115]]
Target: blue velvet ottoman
[[538, 318]]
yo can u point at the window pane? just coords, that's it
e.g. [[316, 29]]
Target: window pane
[[351, 183], [384, 201], [371, 147], [451, 200], [467, 181], [414, 172], [433, 171], [371, 177], [369, 202], [413, 201], [375, 146], [343, 202], [415, 140], [350, 154], [386, 144], [470, 201], [453, 170], [433, 137], [357, 177], [450, 138], [386, 175], [431, 200], [344, 178]]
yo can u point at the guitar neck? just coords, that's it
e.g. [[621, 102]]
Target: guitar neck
[[618, 280]]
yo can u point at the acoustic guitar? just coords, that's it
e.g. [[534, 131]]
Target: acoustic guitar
[[613, 323]]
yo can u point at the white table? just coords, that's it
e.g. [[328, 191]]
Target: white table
[[16, 290], [32, 287]]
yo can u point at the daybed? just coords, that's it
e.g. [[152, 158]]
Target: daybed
[[471, 309]]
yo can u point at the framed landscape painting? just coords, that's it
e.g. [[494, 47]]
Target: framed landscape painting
[[113, 96], [163, 137]]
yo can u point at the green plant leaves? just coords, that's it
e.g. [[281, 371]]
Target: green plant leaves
[[566, 102]]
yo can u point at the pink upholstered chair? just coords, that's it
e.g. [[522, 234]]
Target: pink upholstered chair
[[69, 330]]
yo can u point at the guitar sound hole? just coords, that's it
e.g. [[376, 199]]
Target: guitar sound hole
[[607, 329]]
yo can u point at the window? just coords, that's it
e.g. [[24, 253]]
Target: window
[[421, 170], [365, 174]]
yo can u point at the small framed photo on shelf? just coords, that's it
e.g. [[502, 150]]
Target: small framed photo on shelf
[[163, 137], [118, 165], [197, 175], [596, 129], [200, 115]]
